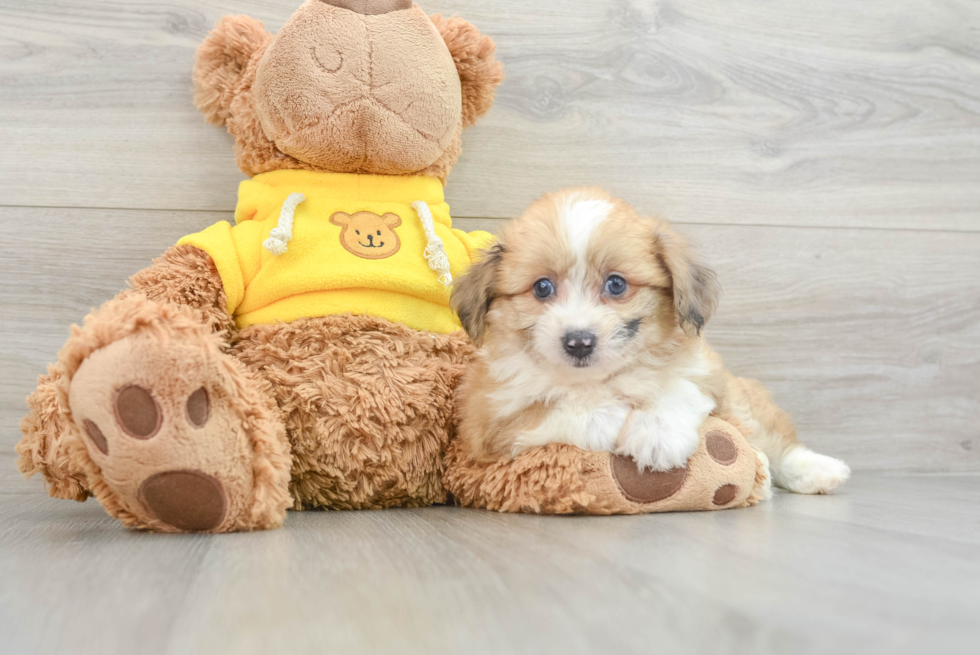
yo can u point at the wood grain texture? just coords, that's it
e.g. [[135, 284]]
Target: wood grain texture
[[830, 113], [871, 338], [886, 566], [823, 155]]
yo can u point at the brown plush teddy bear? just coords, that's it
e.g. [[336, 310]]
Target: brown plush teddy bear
[[307, 356]]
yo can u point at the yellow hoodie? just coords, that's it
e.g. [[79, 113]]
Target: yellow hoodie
[[309, 244]]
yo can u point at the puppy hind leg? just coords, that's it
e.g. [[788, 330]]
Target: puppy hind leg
[[803, 471], [794, 467]]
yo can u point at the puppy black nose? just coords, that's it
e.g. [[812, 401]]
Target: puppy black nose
[[579, 344]]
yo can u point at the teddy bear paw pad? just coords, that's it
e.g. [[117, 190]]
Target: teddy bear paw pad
[[161, 426], [188, 500], [645, 486], [725, 494]]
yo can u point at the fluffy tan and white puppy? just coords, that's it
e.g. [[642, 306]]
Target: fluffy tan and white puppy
[[589, 321]]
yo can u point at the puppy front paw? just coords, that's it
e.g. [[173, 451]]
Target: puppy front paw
[[658, 442]]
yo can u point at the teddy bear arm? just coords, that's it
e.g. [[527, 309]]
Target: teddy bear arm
[[186, 276]]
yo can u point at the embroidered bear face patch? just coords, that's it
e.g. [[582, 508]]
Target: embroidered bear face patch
[[368, 235]]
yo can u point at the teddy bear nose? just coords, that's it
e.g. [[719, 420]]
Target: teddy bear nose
[[370, 7]]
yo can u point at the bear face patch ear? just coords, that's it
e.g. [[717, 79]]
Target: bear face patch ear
[[479, 72], [391, 220], [221, 62], [340, 218]]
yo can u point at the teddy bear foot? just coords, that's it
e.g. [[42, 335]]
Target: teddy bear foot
[[725, 472], [172, 427]]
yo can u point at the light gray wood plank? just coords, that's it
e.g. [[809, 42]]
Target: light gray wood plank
[[870, 338], [843, 574], [57, 266], [807, 113]]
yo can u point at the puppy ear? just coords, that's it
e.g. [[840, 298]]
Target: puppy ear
[[391, 220], [695, 287], [475, 290], [340, 218], [479, 72], [221, 62]]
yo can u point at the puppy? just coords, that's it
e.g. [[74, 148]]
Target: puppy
[[588, 319]]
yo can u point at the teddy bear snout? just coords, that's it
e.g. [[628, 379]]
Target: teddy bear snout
[[346, 94], [370, 7]]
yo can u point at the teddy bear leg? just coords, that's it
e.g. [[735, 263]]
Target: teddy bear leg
[[725, 472], [42, 448], [178, 435]]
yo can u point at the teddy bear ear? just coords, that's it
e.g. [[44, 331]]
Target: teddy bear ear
[[391, 220], [479, 72], [340, 219], [221, 63]]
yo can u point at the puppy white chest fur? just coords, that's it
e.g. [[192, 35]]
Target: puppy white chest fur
[[588, 416], [641, 413]]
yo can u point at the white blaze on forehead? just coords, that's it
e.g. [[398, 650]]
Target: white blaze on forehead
[[580, 217]]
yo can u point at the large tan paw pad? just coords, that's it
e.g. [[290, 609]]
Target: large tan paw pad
[[646, 486], [188, 500]]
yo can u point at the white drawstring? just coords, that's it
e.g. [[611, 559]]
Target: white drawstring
[[282, 234], [435, 251]]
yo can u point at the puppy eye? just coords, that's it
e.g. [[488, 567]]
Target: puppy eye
[[543, 289], [616, 285]]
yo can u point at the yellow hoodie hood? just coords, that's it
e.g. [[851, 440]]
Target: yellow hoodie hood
[[309, 244]]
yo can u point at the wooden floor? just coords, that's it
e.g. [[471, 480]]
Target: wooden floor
[[823, 156], [887, 566]]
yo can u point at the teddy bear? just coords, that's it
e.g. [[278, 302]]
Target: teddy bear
[[307, 356]]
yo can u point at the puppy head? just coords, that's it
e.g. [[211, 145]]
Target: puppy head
[[583, 284]]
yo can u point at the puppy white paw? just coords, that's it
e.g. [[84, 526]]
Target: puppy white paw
[[803, 471], [658, 441]]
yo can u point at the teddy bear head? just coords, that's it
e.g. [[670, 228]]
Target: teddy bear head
[[347, 86]]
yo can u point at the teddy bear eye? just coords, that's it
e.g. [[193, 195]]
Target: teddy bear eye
[[379, 232], [357, 231]]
